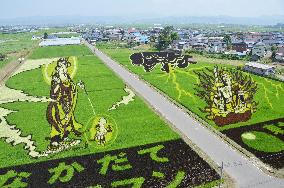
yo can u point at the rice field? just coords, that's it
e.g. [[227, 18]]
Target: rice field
[[136, 130], [181, 88]]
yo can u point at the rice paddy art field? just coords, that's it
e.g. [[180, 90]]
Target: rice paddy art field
[[246, 108], [67, 120]]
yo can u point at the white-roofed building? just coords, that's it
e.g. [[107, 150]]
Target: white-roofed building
[[259, 68], [60, 42]]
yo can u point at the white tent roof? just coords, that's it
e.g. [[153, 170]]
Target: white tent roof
[[60, 41]]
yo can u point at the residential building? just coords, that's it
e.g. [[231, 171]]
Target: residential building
[[180, 45], [252, 37], [199, 46], [240, 47], [280, 54], [137, 37], [216, 45], [259, 51], [261, 69]]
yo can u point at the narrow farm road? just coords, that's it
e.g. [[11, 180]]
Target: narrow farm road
[[8, 70], [241, 169]]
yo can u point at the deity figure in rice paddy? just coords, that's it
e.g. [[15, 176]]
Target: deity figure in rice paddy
[[60, 111], [229, 95]]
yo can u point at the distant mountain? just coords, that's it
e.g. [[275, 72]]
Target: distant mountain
[[59, 20], [263, 20]]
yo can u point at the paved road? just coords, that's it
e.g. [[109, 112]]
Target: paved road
[[243, 171]]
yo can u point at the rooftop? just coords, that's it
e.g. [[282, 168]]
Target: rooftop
[[60, 41], [259, 65]]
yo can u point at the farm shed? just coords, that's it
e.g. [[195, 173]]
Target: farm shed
[[60, 42]]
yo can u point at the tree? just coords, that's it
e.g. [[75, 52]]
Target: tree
[[274, 51], [174, 36], [131, 44], [166, 38], [122, 34], [2, 57], [153, 38], [227, 39], [45, 35]]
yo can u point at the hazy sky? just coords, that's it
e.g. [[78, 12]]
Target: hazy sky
[[145, 8]]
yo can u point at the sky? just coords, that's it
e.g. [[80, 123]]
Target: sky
[[140, 8]]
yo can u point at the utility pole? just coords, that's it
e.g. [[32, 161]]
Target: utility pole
[[221, 175]]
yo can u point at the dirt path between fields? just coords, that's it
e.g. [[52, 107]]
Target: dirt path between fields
[[8, 70]]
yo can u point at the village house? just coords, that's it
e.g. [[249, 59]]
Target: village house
[[183, 35], [240, 47], [259, 51], [270, 39], [157, 29], [216, 45], [260, 69], [191, 41], [199, 46], [250, 45], [115, 36], [180, 45], [202, 39], [252, 37], [280, 38], [137, 37], [96, 36], [236, 39], [216, 48], [280, 54]]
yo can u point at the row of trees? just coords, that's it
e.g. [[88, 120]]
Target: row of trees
[[45, 35], [227, 39]]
